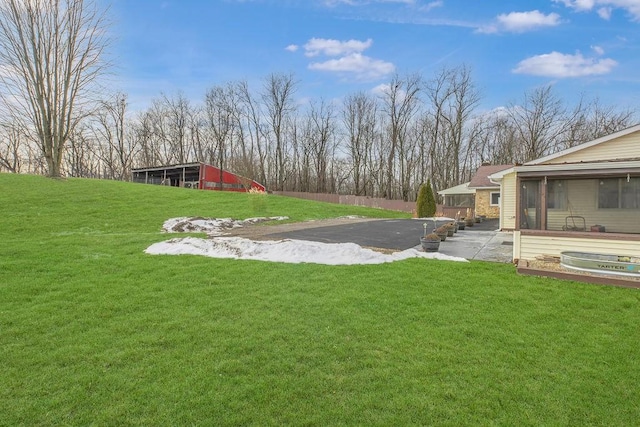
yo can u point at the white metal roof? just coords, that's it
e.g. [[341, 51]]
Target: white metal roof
[[557, 167], [458, 189]]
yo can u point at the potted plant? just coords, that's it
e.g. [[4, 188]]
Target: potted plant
[[468, 221], [430, 242], [450, 227], [461, 224], [441, 232]]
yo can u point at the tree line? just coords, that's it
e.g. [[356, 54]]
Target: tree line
[[380, 144]]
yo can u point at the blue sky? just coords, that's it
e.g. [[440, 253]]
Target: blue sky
[[337, 47]]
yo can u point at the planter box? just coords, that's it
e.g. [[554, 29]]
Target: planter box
[[430, 245]]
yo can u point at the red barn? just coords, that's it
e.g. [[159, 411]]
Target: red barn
[[194, 175]]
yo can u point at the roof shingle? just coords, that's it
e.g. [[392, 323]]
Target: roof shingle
[[481, 178]]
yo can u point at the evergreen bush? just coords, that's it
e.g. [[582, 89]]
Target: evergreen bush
[[426, 202]]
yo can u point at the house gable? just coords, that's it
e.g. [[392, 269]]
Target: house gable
[[621, 145]]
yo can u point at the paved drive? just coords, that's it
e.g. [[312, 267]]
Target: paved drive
[[480, 242]]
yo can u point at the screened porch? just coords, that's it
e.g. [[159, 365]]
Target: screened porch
[[603, 203]]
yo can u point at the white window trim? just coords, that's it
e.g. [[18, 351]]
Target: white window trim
[[491, 198]]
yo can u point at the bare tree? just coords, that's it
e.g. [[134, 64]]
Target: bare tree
[[220, 106], [359, 121], [52, 54], [540, 122], [111, 130], [175, 120], [593, 120], [278, 100], [465, 99], [451, 148], [12, 145], [439, 95], [400, 105], [251, 118], [147, 141], [322, 120], [82, 158], [496, 139]]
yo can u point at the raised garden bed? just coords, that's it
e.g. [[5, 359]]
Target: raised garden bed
[[547, 268]]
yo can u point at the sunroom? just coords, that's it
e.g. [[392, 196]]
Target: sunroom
[[591, 206], [584, 199]]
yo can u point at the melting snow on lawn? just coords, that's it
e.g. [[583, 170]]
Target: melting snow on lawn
[[211, 226], [288, 250]]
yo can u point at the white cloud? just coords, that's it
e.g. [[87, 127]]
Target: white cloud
[[559, 65], [581, 5], [605, 13], [331, 47], [384, 90], [525, 21], [604, 7], [292, 48], [432, 5], [598, 50], [520, 22], [347, 58], [364, 2], [381, 89], [363, 67]]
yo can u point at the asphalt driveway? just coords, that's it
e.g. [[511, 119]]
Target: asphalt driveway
[[480, 242]]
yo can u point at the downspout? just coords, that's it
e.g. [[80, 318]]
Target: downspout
[[499, 183]]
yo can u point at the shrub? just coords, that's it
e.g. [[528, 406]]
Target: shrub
[[426, 202]]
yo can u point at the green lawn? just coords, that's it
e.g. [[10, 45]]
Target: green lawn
[[95, 332]]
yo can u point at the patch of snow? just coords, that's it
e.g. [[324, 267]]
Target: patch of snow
[[211, 226], [289, 251], [437, 218]]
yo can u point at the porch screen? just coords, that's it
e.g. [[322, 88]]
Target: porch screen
[[591, 204]]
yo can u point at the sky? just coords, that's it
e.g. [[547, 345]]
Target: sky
[[287, 251], [334, 48]]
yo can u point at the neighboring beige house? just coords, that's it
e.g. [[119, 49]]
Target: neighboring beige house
[[487, 200], [585, 198], [481, 195]]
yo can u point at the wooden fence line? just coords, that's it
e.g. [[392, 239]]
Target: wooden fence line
[[372, 202]]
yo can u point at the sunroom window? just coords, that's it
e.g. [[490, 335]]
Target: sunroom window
[[589, 204], [619, 193], [464, 200], [630, 193], [556, 194]]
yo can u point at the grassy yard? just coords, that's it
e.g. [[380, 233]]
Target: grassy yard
[[95, 332]]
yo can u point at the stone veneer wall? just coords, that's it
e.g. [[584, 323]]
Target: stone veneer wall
[[483, 204]]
